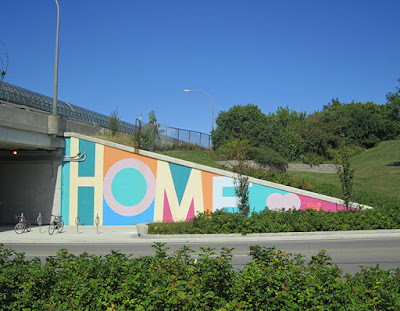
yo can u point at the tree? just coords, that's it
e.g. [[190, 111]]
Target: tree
[[238, 151], [393, 103], [113, 122], [363, 124], [316, 139], [241, 180], [278, 131], [240, 122], [282, 132], [346, 172]]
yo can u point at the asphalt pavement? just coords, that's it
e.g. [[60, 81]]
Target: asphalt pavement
[[348, 249]]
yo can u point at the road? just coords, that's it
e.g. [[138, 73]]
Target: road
[[348, 254]]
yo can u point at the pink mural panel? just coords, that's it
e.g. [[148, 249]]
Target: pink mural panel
[[167, 215], [277, 201], [190, 214], [149, 196], [307, 202]]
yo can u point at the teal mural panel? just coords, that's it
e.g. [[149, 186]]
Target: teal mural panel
[[180, 176], [129, 187], [229, 192], [65, 182], [86, 168], [86, 205]]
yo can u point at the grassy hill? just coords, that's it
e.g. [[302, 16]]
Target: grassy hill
[[196, 155], [377, 171]]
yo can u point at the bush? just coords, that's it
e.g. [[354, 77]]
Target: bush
[[312, 159], [267, 156], [283, 179], [272, 280], [114, 122]]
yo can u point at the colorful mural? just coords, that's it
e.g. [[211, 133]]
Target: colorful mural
[[126, 188]]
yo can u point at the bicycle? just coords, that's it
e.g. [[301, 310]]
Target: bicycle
[[56, 224], [22, 225]]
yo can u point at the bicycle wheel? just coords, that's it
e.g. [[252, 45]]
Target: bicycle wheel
[[51, 228], [28, 226], [60, 226], [19, 228]]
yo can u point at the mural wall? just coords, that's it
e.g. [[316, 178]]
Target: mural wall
[[125, 188]]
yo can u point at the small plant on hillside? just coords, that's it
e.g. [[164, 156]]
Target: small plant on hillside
[[114, 122], [346, 172], [150, 133], [241, 181], [238, 151], [242, 192]]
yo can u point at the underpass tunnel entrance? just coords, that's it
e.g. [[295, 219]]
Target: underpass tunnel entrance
[[28, 184]]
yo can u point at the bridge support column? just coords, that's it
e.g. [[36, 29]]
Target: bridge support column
[[54, 125]]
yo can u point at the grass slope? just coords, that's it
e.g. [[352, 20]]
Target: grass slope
[[197, 155], [377, 171]]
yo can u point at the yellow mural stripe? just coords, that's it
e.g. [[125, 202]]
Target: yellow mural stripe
[[73, 189], [98, 183], [194, 190]]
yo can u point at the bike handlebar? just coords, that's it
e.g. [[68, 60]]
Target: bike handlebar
[[21, 217]]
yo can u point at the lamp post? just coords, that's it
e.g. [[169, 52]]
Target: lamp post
[[212, 105], [56, 63]]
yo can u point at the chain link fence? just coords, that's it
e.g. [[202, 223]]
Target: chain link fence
[[151, 137]]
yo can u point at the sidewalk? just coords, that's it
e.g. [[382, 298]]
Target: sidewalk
[[138, 234], [70, 234]]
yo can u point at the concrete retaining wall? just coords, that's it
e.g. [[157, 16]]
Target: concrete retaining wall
[[119, 185], [321, 168]]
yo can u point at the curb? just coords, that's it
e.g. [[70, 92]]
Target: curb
[[320, 235]]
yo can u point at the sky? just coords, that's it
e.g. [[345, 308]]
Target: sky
[[136, 56]]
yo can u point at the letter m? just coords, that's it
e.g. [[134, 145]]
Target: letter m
[[179, 192]]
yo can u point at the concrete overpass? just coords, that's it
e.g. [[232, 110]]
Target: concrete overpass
[[27, 123], [31, 146]]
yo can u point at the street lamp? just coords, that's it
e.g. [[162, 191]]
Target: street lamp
[[212, 105], [56, 63]]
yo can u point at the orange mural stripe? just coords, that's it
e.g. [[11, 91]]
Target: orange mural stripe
[[207, 180], [112, 155]]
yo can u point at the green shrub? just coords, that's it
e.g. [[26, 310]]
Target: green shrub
[[267, 156], [312, 158], [283, 179], [272, 280], [114, 122]]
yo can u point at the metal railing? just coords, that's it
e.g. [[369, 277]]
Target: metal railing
[[151, 137], [17, 95], [167, 134]]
